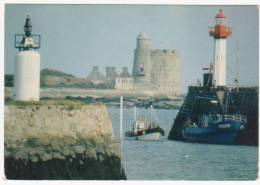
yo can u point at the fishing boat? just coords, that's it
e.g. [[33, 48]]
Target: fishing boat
[[214, 125], [145, 130]]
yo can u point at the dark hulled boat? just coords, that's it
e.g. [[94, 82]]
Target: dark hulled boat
[[213, 125]]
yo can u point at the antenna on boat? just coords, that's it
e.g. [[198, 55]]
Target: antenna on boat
[[135, 114], [151, 107], [156, 117], [121, 133], [237, 66]]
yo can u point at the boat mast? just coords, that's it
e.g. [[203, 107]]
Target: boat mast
[[135, 115], [121, 133], [227, 101], [156, 117], [237, 67], [151, 107]]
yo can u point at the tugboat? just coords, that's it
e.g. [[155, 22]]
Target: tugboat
[[145, 130], [213, 125]]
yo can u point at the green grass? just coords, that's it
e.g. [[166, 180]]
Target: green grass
[[68, 104]]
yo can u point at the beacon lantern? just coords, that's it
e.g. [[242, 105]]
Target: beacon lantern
[[27, 65]]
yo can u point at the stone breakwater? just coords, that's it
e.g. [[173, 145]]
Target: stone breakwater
[[60, 142]]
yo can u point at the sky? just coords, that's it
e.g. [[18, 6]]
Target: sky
[[77, 37]]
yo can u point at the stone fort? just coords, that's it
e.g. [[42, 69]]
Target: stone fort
[[154, 70]]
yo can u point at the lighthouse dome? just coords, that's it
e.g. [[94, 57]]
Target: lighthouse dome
[[220, 14], [142, 36]]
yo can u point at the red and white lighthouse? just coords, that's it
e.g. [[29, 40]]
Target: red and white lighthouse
[[220, 33]]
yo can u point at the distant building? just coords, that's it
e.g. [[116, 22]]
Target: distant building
[[111, 72], [156, 70], [125, 73], [95, 76], [125, 81], [111, 75]]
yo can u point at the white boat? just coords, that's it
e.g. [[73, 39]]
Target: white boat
[[149, 137], [145, 130]]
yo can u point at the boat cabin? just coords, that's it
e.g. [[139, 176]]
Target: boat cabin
[[138, 125]]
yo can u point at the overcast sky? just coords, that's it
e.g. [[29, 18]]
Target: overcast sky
[[76, 37]]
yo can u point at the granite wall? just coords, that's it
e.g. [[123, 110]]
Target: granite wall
[[68, 141]]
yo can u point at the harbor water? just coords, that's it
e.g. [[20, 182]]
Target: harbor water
[[176, 160]]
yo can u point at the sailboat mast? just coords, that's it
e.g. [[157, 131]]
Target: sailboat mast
[[121, 133]]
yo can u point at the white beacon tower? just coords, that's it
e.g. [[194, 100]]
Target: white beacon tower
[[27, 65], [220, 33]]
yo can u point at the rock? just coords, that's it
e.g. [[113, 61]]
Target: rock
[[80, 168], [31, 151], [46, 157], [79, 149], [66, 151], [81, 162], [69, 140], [45, 141], [58, 155], [91, 153], [56, 144], [100, 157], [7, 153], [20, 155], [48, 138], [34, 158]]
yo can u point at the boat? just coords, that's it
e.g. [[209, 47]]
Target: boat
[[145, 130], [214, 125]]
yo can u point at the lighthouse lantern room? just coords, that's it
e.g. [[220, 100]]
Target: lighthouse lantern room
[[220, 33], [27, 65]]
